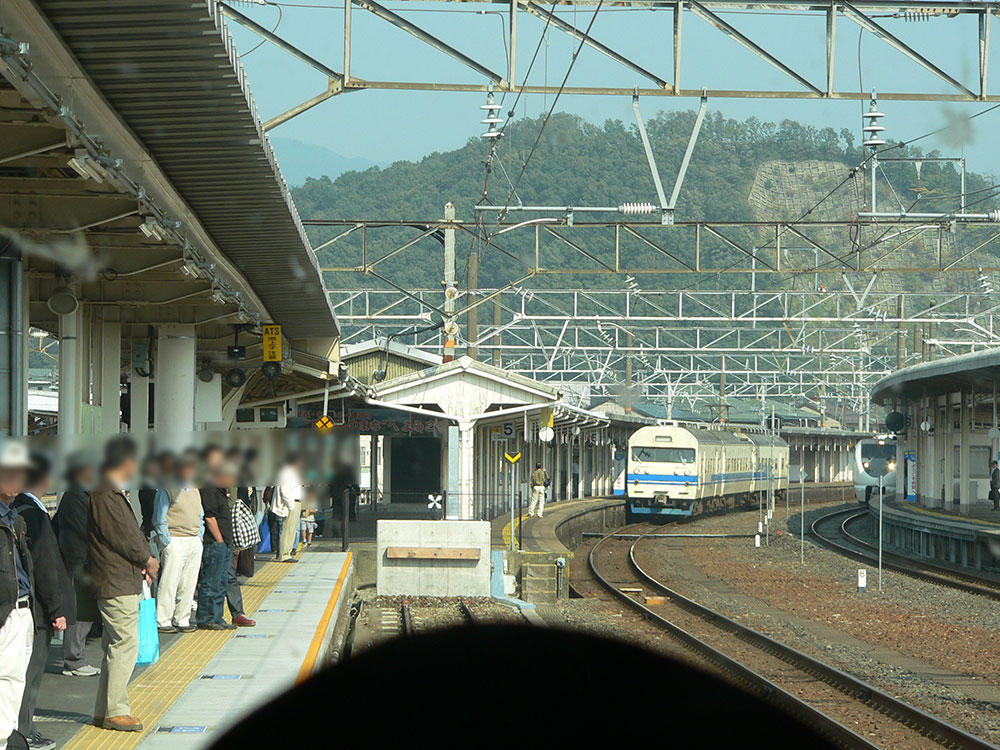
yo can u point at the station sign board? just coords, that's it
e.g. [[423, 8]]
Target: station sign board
[[271, 340], [502, 432]]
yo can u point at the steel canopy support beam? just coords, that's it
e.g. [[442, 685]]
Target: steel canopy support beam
[[731, 31], [555, 20], [278, 42], [333, 88], [889, 38], [428, 38]]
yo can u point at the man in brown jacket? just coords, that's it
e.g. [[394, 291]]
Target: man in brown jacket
[[118, 559]]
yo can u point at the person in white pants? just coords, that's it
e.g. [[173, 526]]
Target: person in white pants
[[17, 627], [15, 652], [538, 479], [179, 522]]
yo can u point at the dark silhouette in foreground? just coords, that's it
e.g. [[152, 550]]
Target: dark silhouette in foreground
[[490, 686]]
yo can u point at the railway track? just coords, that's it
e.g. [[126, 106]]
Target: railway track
[[823, 697], [831, 530], [415, 619]]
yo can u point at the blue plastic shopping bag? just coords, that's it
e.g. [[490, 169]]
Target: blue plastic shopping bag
[[265, 537], [149, 637]]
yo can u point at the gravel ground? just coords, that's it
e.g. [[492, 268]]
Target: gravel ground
[[882, 731], [939, 626]]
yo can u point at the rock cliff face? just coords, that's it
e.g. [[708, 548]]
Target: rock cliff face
[[786, 190]]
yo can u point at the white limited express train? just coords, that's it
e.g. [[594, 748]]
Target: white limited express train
[[683, 469]]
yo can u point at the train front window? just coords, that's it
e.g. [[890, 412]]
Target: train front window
[[663, 455], [875, 450]]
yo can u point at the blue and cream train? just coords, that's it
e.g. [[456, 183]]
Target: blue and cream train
[[684, 469]]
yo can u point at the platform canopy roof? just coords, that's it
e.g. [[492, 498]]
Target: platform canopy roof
[[979, 371], [150, 100]]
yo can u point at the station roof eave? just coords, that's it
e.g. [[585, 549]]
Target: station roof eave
[[979, 370], [162, 84], [532, 389]]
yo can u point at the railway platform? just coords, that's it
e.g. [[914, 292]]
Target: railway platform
[[963, 540], [535, 565], [206, 681]]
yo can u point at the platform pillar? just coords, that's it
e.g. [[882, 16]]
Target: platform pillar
[[111, 370], [900, 463], [69, 375], [964, 490], [13, 347], [138, 403], [174, 389], [949, 455], [467, 464]]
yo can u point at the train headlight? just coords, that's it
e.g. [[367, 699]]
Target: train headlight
[[866, 464], [891, 466]]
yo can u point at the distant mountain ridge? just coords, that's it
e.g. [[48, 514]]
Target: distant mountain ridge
[[299, 160], [741, 171]]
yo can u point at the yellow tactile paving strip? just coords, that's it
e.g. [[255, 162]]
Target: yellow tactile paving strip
[[156, 689], [949, 516]]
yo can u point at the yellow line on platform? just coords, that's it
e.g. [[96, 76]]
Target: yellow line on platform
[[153, 692], [942, 514], [309, 663]]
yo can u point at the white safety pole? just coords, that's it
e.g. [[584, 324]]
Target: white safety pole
[[802, 503]]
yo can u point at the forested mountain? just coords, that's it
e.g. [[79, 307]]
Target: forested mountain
[[741, 170]]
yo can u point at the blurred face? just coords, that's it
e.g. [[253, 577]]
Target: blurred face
[[185, 473], [12, 482], [41, 486], [225, 479], [212, 459], [85, 477], [150, 469], [126, 472]]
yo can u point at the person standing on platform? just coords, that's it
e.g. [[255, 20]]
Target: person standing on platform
[[16, 586], [234, 594], [179, 523], [539, 481], [53, 600], [287, 493], [71, 522], [217, 554], [118, 560], [995, 484], [152, 480]]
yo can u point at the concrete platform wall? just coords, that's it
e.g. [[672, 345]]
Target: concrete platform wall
[[422, 577]]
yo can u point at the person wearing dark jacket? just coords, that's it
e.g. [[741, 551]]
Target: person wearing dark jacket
[[118, 560], [995, 484], [52, 604], [71, 522], [217, 549], [16, 586]]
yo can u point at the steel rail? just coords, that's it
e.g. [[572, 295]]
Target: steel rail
[[468, 614], [924, 571], [757, 683], [927, 724], [407, 617]]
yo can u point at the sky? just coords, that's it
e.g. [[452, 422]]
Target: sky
[[387, 126]]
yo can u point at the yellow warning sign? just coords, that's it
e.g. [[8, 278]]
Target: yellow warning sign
[[324, 424], [513, 458], [272, 343]]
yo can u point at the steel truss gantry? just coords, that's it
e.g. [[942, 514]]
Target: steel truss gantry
[[876, 17], [827, 342], [787, 248]]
